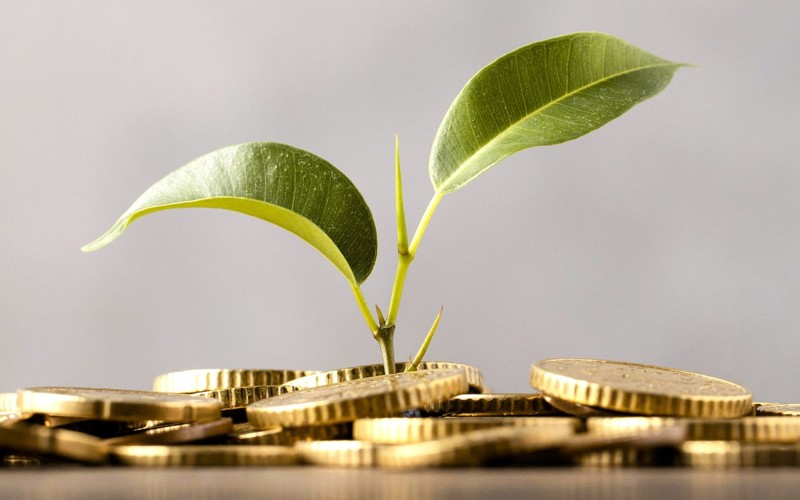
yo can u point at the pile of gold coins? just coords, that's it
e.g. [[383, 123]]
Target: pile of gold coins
[[585, 412]]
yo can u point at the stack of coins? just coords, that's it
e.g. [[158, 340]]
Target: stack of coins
[[585, 412]]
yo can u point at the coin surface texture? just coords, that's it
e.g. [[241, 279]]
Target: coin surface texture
[[175, 433], [339, 453], [188, 381], [117, 404], [203, 455], [640, 389], [383, 395], [38, 439], [239, 397], [474, 375], [473, 448], [414, 430], [745, 429], [784, 410], [495, 405]]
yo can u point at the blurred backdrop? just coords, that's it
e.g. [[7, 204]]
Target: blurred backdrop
[[669, 236]]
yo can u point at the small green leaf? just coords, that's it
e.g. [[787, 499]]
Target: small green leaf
[[541, 94], [289, 187]]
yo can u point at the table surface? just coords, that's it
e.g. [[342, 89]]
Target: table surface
[[317, 482]]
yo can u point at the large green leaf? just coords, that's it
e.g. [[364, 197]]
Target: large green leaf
[[278, 183], [545, 93]]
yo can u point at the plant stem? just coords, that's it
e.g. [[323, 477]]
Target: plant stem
[[364, 308], [385, 338], [404, 259]]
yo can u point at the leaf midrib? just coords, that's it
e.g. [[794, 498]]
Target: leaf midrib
[[446, 184]]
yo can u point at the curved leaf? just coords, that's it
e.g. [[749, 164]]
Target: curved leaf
[[545, 93], [277, 183]]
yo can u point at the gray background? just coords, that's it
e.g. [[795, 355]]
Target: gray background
[[669, 236]]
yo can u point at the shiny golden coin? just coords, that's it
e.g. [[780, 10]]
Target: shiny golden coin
[[748, 429], [650, 447], [117, 404], [189, 381], [495, 405], [203, 455], [473, 448], [338, 453], [577, 409], [246, 434], [640, 389], [783, 410], [728, 454], [415, 430], [474, 376], [346, 401], [240, 397], [38, 439], [175, 433]]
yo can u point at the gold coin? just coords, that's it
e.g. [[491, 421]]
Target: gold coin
[[727, 454], [279, 436], [117, 404], [338, 453], [240, 397], [755, 406], [189, 381], [577, 409], [175, 433], [474, 376], [496, 405], [379, 396], [38, 439], [650, 447], [640, 389], [203, 455], [749, 429], [473, 448], [414, 430], [773, 409]]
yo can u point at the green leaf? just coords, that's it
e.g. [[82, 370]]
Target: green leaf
[[545, 93], [281, 184]]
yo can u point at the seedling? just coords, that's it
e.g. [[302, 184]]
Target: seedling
[[544, 93]]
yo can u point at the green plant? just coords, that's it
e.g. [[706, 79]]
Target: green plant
[[544, 93]]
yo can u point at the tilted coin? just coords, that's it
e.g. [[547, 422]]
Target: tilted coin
[[38, 439], [784, 409], [414, 430], [203, 455], [727, 454], [748, 429], [755, 406], [580, 444], [239, 397], [117, 404], [246, 434], [577, 409], [383, 395], [99, 428], [473, 448], [338, 453], [493, 405], [175, 433], [474, 376], [189, 381], [640, 389]]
